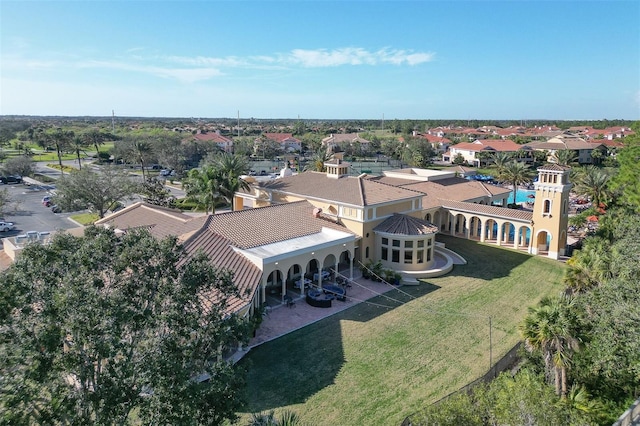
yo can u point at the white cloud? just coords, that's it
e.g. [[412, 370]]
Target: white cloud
[[194, 69], [185, 75], [317, 58], [355, 56]]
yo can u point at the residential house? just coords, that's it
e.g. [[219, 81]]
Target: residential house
[[224, 143], [440, 144], [471, 151], [336, 140], [580, 146], [286, 141]]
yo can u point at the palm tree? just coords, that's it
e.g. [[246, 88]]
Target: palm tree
[[588, 267], [316, 163], [500, 159], [550, 328], [564, 157], [140, 148], [515, 173], [594, 183], [229, 169], [287, 418], [59, 137], [96, 138], [77, 144], [203, 186]]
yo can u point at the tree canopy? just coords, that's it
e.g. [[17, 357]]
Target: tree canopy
[[104, 329], [98, 190]]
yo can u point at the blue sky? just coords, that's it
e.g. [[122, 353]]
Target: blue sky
[[322, 59]]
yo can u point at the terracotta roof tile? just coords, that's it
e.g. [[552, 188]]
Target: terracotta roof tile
[[554, 167], [246, 275], [356, 191], [266, 225], [161, 221], [495, 211]]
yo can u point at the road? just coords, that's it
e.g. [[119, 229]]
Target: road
[[41, 168]]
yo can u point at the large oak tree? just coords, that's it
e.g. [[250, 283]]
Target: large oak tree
[[104, 329]]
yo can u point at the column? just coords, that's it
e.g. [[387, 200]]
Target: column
[[351, 265], [483, 230]]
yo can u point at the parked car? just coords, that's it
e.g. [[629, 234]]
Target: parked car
[[46, 200], [56, 208], [11, 179], [7, 226]]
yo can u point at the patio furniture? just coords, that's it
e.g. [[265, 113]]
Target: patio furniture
[[288, 300], [325, 275], [298, 283], [338, 292], [319, 299]]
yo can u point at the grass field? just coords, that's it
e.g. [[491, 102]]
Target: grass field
[[375, 365]]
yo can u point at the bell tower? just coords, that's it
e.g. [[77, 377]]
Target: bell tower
[[551, 211]]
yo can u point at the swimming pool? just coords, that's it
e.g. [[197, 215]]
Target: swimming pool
[[522, 196]]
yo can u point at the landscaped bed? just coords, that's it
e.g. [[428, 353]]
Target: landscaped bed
[[378, 362]]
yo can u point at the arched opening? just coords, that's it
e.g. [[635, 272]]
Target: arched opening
[[475, 228], [542, 242], [491, 230], [436, 218], [427, 217], [460, 223], [523, 236], [507, 233], [546, 208], [312, 268], [273, 287]]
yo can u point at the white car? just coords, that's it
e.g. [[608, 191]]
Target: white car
[[7, 226]]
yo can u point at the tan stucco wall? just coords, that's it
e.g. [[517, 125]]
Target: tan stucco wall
[[389, 209]]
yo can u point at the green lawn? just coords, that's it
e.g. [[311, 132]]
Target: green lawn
[[375, 365], [85, 218]]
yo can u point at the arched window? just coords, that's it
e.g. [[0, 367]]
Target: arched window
[[547, 207]]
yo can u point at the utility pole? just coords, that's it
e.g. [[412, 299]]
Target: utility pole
[[490, 348], [238, 123], [113, 121]]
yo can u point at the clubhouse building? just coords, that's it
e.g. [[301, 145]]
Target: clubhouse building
[[289, 233]]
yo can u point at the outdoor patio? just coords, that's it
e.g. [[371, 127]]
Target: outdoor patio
[[282, 319]]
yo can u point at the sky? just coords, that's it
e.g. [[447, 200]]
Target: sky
[[364, 59]]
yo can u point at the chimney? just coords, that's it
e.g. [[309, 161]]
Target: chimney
[[316, 212]]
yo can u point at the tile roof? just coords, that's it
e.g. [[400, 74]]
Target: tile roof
[[250, 228], [344, 137], [495, 211], [160, 221], [219, 250], [280, 137], [563, 142], [356, 191], [455, 188], [401, 224], [505, 145], [554, 167]]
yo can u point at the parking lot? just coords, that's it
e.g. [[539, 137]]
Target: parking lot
[[28, 213]]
